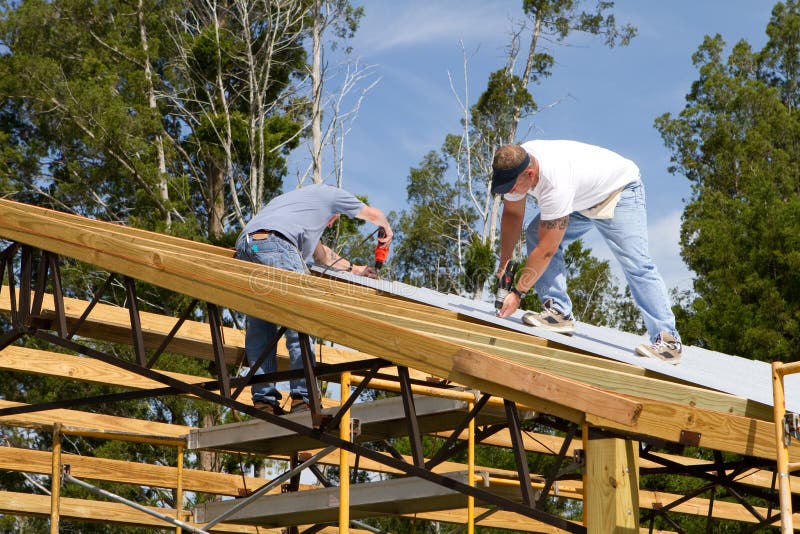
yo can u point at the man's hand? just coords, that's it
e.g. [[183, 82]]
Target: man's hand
[[510, 305], [365, 270], [386, 240]]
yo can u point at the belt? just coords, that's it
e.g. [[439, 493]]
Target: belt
[[263, 234]]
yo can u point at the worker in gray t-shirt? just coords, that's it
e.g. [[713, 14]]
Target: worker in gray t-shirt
[[286, 234]]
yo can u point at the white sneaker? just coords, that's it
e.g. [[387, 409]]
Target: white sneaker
[[550, 319], [666, 348]]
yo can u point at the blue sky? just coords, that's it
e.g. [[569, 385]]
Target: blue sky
[[608, 97]]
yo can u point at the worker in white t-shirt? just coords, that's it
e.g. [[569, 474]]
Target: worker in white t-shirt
[[578, 187]]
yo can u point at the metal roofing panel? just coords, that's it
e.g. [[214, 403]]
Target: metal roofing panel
[[739, 376]]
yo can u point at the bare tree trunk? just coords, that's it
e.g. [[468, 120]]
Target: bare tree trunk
[[216, 199], [162, 188], [537, 28], [217, 176], [515, 122], [208, 459], [316, 93]]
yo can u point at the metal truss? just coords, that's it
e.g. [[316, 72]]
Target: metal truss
[[27, 320], [719, 474]]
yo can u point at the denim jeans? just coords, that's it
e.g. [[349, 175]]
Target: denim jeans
[[274, 252], [626, 236]]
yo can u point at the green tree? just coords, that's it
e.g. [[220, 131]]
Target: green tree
[[80, 98], [737, 140], [139, 113], [432, 229]]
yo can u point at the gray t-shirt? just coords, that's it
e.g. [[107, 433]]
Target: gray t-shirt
[[301, 215]]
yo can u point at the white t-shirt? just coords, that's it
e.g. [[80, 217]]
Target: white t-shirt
[[575, 176]]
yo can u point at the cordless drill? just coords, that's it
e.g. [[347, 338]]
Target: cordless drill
[[505, 283], [381, 251]]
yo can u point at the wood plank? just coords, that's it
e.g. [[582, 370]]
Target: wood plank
[[730, 433], [112, 323], [611, 482], [342, 289], [86, 423], [507, 521], [92, 468], [84, 369], [590, 374], [13, 503], [235, 291], [532, 382], [110, 512]]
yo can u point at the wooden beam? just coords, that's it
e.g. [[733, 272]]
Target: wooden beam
[[97, 425], [547, 444], [101, 511], [72, 509], [675, 423], [611, 485], [511, 345], [87, 467], [506, 520], [112, 323], [488, 369], [522, 351], [269, 300]]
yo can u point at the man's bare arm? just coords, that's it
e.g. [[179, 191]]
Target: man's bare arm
[[510, 229], [550, 233], [376, 217]]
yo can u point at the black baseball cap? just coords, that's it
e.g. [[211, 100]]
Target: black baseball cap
[[503, 180]]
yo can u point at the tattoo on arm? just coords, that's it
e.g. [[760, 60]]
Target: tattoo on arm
[[560, 224]]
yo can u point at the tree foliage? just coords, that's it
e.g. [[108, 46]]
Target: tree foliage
[[737, 140], [170, 116], [161, 110], [433, 229]]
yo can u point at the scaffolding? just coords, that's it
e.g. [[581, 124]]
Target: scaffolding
[[463, 381]]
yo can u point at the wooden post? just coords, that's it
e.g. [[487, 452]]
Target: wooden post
[[344, 461], [611, 485], [55, 481]]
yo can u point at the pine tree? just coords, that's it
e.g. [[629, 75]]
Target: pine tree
[[737, 140]]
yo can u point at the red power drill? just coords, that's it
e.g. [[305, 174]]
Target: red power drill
[[381, 251]]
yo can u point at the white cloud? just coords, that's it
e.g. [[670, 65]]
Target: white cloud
[[421, 23]]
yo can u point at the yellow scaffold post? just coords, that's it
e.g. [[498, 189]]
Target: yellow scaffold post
[[783, 431]]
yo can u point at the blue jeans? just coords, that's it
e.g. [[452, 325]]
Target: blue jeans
[[274, 252], [626, 235]]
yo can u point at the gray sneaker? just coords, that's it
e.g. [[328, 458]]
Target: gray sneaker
[[666, 348], [550, 319]]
